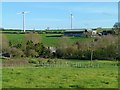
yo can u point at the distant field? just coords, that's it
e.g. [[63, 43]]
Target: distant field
[[15, 38], [47, 39], [67, 77]]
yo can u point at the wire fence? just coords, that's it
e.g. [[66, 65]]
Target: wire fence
[[68, 65]]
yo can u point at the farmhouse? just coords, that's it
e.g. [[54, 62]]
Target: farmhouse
[[74, 32], [93, 32]]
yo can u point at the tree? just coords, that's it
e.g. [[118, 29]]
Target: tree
[[34, 37], [64, 42], [105, 47], [32, 53], [32, 43], [16, 52], [4, 44], [39, 47], [117, 30]]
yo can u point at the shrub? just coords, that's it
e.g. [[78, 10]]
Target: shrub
[[31, 53], [4, 43], [34, 61], [29, 45], [60, 53], [50, 61], [34, 37], [46, 53], [16, 52], [18, 46], [39, 47]]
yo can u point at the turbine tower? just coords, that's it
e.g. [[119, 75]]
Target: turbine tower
[[23, 13], [71, 20]]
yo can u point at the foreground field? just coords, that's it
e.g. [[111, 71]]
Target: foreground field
[[58, 77]]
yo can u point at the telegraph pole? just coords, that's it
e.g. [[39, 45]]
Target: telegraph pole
[[92, 49]]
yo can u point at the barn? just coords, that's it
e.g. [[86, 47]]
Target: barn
[[75, 32]]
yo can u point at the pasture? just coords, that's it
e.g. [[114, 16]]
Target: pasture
[[57, 73], [46, 39], [103, 76]]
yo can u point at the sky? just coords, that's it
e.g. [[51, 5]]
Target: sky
[[56, 15], [60, 0]]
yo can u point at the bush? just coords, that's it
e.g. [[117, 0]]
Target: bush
[[34, 50], [34, 61], [32, 53], [34, 37], [46, 53], [60, 53], [16, 52], [18, 45], [39, 47], [51, 61], [29, 45]]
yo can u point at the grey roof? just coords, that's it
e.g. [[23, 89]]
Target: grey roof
[[75, 30]]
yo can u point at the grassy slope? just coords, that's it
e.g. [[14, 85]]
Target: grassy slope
[[48, 41], [15, 38], [69, 77]]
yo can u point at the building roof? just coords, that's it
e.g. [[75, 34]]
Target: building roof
[[75, 30]]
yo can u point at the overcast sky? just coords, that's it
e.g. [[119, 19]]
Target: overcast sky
[[57, 14]]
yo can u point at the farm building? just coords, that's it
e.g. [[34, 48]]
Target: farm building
[[93, 32], [81, 32], [106, 32], [75, 32]]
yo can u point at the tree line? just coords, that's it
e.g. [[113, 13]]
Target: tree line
[[101, 48]]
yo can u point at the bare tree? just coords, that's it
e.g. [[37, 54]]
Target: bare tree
[[4, 43], [117, 32], [64, 42], [34, 37]]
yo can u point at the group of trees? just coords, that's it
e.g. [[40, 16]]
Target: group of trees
[[100, 48], [31, 47], [105, 47]]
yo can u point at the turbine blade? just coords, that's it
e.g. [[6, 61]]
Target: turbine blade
[[26, 11], [23, 12], [19, 13]]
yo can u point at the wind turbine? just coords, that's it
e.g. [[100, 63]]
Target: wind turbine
[[23, 13], [71, 16]]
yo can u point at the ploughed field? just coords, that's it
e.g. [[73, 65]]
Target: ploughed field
[[62, 74]]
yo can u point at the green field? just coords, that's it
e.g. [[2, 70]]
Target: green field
[[104, 76], [59, 73], [47, 39]]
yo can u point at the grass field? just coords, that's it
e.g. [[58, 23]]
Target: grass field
[[74, 74], [47, 39], [104, 76]]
